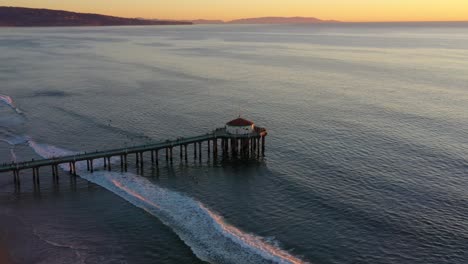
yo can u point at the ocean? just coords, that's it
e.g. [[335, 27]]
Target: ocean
[[366, 158]]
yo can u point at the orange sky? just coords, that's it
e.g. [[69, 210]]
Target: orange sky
[[344, 10]]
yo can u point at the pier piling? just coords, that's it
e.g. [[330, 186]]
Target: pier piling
[[200, 151], [109, 163], [157, 157], [233, 146], [170, 154]]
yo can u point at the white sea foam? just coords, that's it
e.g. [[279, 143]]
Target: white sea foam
[[205, 232], [9, 101], [13, 154]]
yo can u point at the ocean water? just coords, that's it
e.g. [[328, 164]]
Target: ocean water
[[366, 158]]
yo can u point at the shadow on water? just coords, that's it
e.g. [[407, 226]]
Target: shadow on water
[[66, 182]]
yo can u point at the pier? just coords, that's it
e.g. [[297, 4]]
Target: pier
[[240, 140]]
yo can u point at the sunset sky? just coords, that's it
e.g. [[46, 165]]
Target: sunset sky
[[344, 10]]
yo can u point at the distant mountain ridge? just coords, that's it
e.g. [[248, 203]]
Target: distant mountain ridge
[[32, 17], [280, 20], [267, 20], [206, 21]]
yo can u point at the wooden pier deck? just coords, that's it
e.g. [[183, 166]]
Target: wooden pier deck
[[247, 146]]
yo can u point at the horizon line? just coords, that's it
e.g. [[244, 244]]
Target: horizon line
[[324, 21]]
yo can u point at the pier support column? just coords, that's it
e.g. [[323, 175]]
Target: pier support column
[[125, 162], [167, 154], [233, 147], [247, 147], [258, 147], [109, 163], [209, 148], [152, 156], [252, 147], [226, 146], [215, 148], [16, 179], [186, 152], [91, 165], [240, 147], [37, 176], [105, 162], [181, 154], [141, 160], [223, 147], [34, 178], [87, 165], [263, 145], [73, 168], [170, 154], [121, 163], [195, 150], [157, 157], [199, 148], [55, 172]]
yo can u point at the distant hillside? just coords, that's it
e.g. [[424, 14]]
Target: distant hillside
[[30, 17], [280, 20], [205, 21]]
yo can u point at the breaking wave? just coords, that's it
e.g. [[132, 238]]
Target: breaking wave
[[9, 101], [204, 231]]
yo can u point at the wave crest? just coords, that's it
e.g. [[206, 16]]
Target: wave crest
[[9, 101], [205, 232]]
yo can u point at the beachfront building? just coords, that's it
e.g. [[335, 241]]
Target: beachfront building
[[240, 126]]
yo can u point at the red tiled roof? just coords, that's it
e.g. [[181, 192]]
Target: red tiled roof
[[239, 122]]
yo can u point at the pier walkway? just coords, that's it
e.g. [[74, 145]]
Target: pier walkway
[[250, 145]]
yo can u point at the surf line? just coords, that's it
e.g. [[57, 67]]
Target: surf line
[[9, 101], [204, 231]]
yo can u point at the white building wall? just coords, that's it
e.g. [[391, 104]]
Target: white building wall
[[240, 130]]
